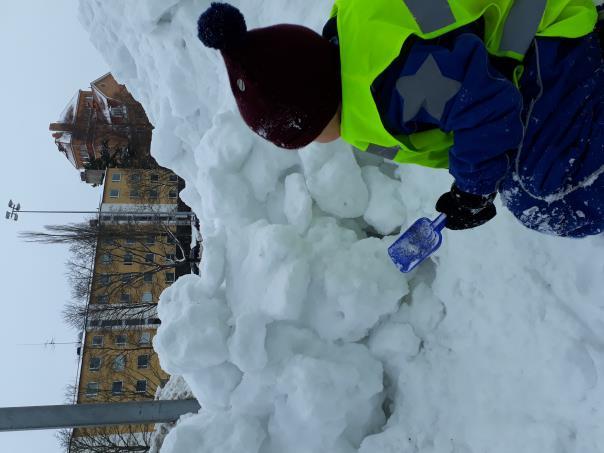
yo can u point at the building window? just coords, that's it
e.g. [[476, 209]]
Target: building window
[[127, 277], [116, 177], [92, 389], [84, 155], [130, 241], [94, 364], [154, 177], [170, 239], [142, 361], [173, 178], [170, 258], [147, 297], [153, 321], [153, 193], [135, 178], [102, 299], [128, 258], [135, 322], [120, 340], [94, 323], [119, 362], [145, 338], [135, 193], [118, 111], [114, 193], [173, 194], [117, 387], [148, 277], [111, 323], [106, 258], [125, 298], [97, 341], [141, 386], [150, 240], [104, 279], [169, 277], [149, 257]]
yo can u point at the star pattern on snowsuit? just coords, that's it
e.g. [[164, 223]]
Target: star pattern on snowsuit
[[428, 88]]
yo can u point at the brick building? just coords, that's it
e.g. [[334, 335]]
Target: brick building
[[104, 127], [143, 246]]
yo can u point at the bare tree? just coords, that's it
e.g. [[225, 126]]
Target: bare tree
[[149, 187], [148, 247], [132, 438]]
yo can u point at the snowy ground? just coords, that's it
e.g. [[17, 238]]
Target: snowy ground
[[301, 336]]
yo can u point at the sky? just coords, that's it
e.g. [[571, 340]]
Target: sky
[[46, 58]]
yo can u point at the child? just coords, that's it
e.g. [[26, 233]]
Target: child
[[507, 94]]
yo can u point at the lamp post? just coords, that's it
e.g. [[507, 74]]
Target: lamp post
[[111, 215], [16, 210]]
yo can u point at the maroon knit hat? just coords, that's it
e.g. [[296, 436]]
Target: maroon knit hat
[[285, 78]]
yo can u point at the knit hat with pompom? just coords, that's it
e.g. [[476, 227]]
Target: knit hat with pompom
[[285, 78]]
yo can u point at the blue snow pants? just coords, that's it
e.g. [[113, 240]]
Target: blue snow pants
[[556, 180]]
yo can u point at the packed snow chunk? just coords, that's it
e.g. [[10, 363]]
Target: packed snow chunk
[[395, 342], [229, 197], [268, 271], [215, 433], [266, 166], [212, 263], [213, 386], [256, 393], [334, 179], [386, 212], [247, 342], [424, 311], [297, 204], [324, 392], [194, 329], [359, 285], [327, 236], [226, 146]]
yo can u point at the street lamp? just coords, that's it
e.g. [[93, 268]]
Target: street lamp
[[16, 210], [13, 213]]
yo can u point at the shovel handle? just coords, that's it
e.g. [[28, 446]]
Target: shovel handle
[[439, 223]]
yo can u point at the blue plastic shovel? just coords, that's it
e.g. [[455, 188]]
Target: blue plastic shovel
[[416, 244]]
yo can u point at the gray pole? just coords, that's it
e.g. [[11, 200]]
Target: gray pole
[[93, 415]]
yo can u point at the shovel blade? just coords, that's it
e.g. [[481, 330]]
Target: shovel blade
[[415, 245]]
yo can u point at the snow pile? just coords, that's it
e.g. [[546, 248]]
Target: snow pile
[[300, 335]]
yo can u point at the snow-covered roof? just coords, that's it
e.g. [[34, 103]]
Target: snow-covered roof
[[68, 115], [97, 85], [103, 77], [64, 138]]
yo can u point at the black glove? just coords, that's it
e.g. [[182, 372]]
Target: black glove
[[465, 210]]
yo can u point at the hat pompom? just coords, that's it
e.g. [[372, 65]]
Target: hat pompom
[[221, 26]]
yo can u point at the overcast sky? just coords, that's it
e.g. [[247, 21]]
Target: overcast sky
[[46, 58]]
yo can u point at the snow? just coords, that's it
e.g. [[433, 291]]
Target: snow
[[68, 115], [301, 335]]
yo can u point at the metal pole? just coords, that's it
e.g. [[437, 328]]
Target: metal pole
[[60, 212], [94, 415]]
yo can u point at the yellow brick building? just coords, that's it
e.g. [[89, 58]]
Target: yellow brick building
[[144, 237]]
